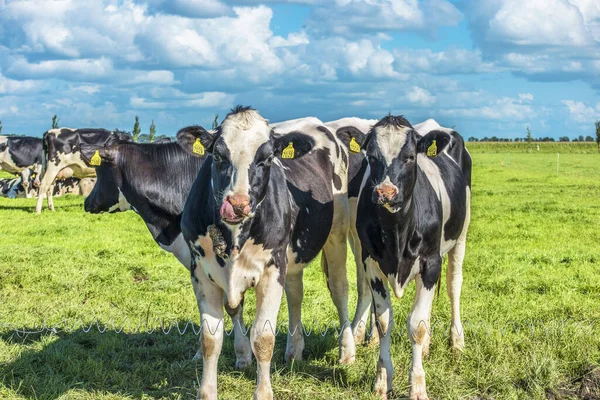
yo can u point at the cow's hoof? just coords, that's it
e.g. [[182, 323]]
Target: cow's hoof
[[418, 390], [243, 362], [380, 391], [347, 354]]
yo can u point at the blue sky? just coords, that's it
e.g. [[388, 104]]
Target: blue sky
[[487, 67]]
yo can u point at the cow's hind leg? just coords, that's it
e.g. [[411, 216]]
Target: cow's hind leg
[[210, 300], [454, 281], [384, 323], [333, 261], [46, 186], [294, 292], [241, 343], [363, 304], [418, 332]]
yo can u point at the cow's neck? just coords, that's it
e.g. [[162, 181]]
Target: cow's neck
[[399, 234]]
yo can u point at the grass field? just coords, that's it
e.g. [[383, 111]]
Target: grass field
[[530, 300]]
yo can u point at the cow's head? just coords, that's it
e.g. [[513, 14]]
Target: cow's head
[[243, 150], [392, 149], [106, 196]]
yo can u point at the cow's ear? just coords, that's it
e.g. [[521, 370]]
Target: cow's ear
[[196, 140], [433, 143], [352, 138], [94, 156], [292, 145]]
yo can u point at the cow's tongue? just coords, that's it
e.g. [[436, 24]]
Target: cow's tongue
[[227, 211]]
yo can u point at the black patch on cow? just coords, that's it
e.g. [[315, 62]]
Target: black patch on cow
[[25, 151], [377, 286]]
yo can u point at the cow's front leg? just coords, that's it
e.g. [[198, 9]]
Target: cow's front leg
[[294, 292], [363, 303], [385, 321], [210, 300], [419, 332], [262, 336], [241, 343]]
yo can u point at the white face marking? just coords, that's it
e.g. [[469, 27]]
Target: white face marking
[[243, 133], [390, 141]]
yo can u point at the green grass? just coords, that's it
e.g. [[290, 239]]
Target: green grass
[[524, 147], [530, 300]]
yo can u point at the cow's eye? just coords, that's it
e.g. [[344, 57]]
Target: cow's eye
[[217, 158]]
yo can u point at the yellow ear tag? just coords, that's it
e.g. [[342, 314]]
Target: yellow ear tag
[[354, 146], [289, 151], [96, 159], [432, 150], [198, 148]]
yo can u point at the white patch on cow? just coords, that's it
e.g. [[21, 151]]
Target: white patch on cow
[[122, 205], [246, 268], [243, 133], [290, 125], [432, 172], [363, 125], [58, 131], [180, 250], [390, 140]]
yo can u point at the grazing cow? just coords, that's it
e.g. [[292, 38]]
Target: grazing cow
[[155, 180], [262, 207], [22, 155], [414, 207], [62, 150]]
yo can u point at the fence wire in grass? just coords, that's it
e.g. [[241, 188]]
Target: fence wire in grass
[[535, 327]]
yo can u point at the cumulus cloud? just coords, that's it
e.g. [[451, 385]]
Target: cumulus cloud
[[581, 112], [420, 96], [505, 108]]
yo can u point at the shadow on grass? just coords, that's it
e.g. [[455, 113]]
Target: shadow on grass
[[47, 365]]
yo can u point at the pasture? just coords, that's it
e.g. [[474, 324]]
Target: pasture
[[530, 303]]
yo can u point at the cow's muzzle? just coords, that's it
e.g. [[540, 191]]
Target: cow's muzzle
[[235, 208], [386, 193]]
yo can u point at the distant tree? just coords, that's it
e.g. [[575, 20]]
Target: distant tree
[[529, 137], [598, 134], [563, 139], [574, 140], [473, 139], [581, 138], [152, 133], [0, 127], [215, 124], [55, 121], [136, 129], [588, 138]]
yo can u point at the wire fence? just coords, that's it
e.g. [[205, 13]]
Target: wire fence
[[535, 327]]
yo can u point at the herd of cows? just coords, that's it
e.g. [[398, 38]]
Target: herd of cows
[[250, 204]]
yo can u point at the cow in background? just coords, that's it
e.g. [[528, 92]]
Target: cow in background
[[62, 151], [22, 155]]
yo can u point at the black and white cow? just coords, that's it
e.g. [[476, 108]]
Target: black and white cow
[[347, 129], [62, 151], [13, 188], [262, 207], [414, 207], [155, 181], [22, 155]]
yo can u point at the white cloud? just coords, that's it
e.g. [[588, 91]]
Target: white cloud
[[450, 61], [580, 112], [420, 96], [504, 108], [11, 86], [525, 97]]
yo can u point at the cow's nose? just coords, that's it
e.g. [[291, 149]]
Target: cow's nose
[[386, 192], [240, 204]]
